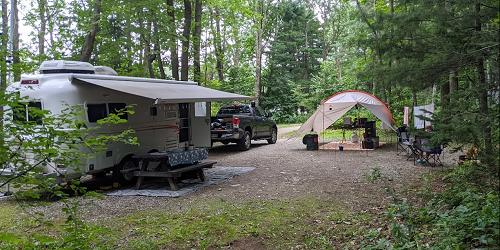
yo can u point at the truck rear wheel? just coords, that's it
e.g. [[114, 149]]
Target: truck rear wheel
[[274, 136], [245, 142]]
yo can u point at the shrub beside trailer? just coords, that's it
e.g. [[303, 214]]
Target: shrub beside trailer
[[168, 114]]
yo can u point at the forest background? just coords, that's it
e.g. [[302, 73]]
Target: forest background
[[288, 54], [291, 54]]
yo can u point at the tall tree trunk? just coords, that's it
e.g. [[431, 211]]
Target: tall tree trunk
[[306, 53], [483, 105], [149, 56], [174, 55], [185, 40], [3, 62], [325, 14], [219, 54], [157, 50], [237, 45], [258, 50], [128, 44], [3, 49], [15, 41], [445, 95], [389, 94], [161, 67], [453, 82], [197, 40], [482, 88], [42, 6], [88, 46], [142, 51], [205, 54], [414, 97], [50, 29], [338, 64]]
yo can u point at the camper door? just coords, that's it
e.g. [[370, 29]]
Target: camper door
[[200, 129]]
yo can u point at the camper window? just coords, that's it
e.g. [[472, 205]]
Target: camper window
[[114, 108], [96, 112], [200, 109], [28, 113], [184, 122], [153, 111]]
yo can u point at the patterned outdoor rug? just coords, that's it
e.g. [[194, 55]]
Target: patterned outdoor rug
[[158, 187]]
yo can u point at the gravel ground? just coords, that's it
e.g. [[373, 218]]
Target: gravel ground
[[284, 170]]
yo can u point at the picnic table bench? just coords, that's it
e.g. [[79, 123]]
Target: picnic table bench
[[172, 165]]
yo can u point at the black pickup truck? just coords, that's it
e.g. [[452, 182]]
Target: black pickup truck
[[241, 124]]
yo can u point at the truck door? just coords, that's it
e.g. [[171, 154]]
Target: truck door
[[263, 123], [200, 128]]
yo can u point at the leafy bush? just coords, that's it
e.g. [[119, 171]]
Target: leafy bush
[[74, 233], [46, 143], [374, 175], [465, 215], [29, 148]]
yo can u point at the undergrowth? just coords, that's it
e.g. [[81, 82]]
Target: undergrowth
[[304, 224], [464, 215]]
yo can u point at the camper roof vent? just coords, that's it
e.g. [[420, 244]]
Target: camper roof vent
[[105, 70], [61, 66]]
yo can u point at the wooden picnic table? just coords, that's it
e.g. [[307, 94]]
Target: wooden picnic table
[[172, 165]]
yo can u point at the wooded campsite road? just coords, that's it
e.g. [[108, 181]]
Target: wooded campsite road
[[284, 170]]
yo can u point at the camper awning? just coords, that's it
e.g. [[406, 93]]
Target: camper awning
[[162, 91]]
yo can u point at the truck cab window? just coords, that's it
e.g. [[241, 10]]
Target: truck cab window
[[235, 110], [246, 109], [114, 108], [257, 112], [96, 112], [260, 112]]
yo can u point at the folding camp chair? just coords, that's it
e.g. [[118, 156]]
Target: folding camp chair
[[403, 141], [406, 144], [429, 154], [432, 156]]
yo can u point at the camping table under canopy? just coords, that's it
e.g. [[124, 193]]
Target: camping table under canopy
[[335, 106]]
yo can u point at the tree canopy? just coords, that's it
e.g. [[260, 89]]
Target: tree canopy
[[288, 54]]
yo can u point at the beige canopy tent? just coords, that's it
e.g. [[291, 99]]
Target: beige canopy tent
[[335, 106]]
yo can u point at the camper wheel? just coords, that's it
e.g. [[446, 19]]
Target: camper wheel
[[99, 175], [124, 170]]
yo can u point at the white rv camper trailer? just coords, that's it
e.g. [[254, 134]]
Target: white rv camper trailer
[[168, 114]]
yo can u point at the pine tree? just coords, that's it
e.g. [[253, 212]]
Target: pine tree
[[294, 58]]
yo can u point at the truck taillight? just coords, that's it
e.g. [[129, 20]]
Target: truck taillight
[[236, 122], [28, 82]]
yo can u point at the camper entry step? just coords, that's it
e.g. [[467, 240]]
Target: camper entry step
[[172, 175]]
